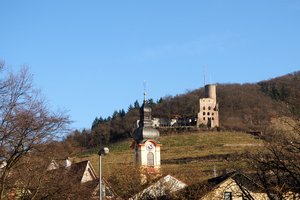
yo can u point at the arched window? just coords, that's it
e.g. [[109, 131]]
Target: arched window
[[209, 108], [150, 159], [203, 108], [203, 113]]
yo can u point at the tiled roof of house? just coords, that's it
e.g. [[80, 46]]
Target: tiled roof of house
[[78, 169], [209, 185], [239, 178]]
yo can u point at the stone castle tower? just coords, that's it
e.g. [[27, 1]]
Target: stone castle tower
[[146, 145], [209, 108]]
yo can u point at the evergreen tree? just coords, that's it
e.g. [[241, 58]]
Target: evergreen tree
[[130, 107], [136, 105]]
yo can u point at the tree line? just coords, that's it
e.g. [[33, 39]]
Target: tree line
[[242, 107]]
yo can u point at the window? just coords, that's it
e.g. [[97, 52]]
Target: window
[[212, 113], [209, 108], [227, 196], [212, 118], [203, 113], [150, 159], [203, 108], [208, 113], [204, 118]]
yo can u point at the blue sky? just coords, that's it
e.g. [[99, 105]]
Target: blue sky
[[91, 57]]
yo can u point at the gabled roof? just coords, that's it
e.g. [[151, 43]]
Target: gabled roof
[[165, 185], [239, 178], [201, 189], [57, 163], [108, 192], [80, 172], [79, 169]]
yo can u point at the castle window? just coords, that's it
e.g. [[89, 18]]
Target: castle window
[[209, 108], [204, 118], [208, 113], [203, 107], [212, 118], [203, 113], [212, 113]]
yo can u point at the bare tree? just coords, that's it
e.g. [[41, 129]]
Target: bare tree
[[278, 168], [25, 122]]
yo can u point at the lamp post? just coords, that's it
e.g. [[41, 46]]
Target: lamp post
[[102, 151]]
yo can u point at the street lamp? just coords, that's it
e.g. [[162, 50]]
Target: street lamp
[[103, 151]]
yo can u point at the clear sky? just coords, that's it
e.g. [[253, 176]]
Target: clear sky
[[91, 57]]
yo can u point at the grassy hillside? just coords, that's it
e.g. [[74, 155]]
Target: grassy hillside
[[190, 157]]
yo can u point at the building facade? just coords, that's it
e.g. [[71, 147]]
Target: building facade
[[209, 108]]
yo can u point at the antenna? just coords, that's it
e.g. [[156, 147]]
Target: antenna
[[204, 76], [145, 92]]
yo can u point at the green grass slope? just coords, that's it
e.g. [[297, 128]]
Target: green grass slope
[[190, 157]]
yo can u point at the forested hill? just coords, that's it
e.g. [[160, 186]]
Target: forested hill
[[241, 107]]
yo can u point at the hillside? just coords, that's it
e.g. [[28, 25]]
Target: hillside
[[242, 107], [200, 152]]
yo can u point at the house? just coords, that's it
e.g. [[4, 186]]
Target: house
[[84, 174], [164, 186], [107, 191], [59, 163], [83, 171], [233, 186]]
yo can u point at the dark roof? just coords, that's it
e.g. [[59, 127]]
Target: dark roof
[[239, 178], [145, 129], [78, 169], [142, 133], [219, 179], [209, 185]]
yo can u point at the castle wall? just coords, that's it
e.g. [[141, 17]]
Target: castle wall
[[208, 108]]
